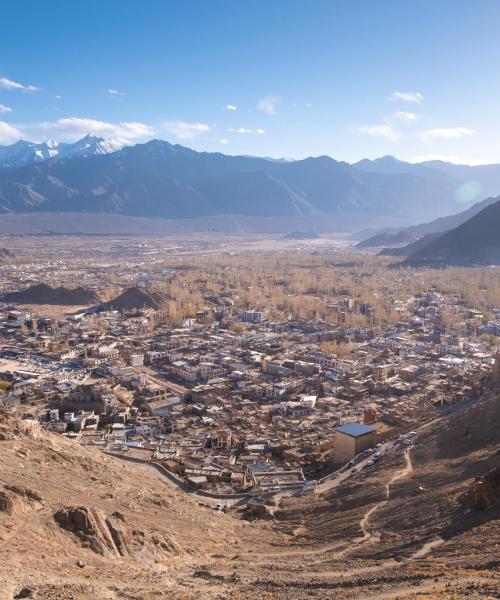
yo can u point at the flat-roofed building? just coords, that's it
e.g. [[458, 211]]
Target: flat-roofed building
[[351, 439]]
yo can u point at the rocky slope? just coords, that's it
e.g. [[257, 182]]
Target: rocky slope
[[77, 524], [423, 524]]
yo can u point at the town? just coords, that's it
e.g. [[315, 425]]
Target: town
[[240, 375]]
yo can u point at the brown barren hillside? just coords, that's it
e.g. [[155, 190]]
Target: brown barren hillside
[[78, 524], [75, 523]]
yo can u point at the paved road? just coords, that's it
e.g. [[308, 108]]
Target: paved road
[[332, 481]]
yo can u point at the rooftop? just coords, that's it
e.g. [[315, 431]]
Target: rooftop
[[355, 429]]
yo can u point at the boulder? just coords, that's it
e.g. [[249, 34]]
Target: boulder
[[484, 492], [94, 531]]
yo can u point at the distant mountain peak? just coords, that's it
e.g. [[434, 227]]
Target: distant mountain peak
[[24, 152], [92, 145], [160, 179], [388, 158]]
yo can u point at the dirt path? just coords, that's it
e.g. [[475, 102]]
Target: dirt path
[[356, 543], [363, 524], [368, 535]]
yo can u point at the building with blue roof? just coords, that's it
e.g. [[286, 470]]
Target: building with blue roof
[[355, 429]]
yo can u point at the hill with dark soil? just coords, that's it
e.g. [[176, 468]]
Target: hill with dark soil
[[45, 294], [136, 297]]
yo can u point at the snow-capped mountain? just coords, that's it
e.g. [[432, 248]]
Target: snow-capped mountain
[[25, 153], [90, 145]]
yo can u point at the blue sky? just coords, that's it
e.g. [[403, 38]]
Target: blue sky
[[350, 79]]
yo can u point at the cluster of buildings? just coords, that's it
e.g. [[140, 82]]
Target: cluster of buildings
[[260, 408]]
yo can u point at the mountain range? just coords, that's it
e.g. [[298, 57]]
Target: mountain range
[[158, 179], [407, 235], [474, 242], [24, 153], [470, 237]]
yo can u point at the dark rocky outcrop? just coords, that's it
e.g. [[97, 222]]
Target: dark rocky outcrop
[[107, 537], [484, 493], [409, 248], [17, 499], [111, 536]]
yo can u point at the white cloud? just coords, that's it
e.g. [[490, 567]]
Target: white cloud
[[379, 131], [446, 133], [185, 131], [224, 141], [58, 97], [231, 107], [246, 130], [268, 105], [113, 92], [414, 97], [5, 109], [8, 134], [403, 115], [76, 127], [8, 84], [308, 105]]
